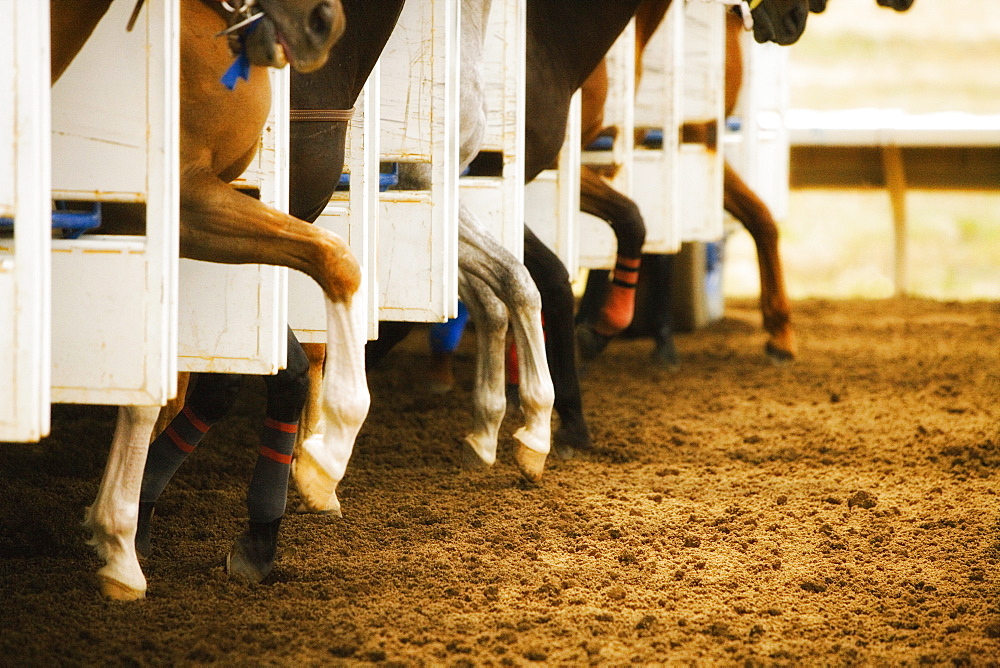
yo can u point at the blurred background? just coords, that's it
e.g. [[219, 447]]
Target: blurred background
[[941, 55]]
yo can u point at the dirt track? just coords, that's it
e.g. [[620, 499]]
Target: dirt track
[[841, 510]]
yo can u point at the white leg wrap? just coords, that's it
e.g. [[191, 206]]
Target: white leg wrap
[[322, 458]]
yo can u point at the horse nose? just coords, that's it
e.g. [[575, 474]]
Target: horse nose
[[795, 21], [326, 21]]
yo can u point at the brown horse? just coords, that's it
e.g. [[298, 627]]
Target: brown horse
[[219, 133]]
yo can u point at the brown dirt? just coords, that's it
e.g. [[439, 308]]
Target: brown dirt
[[841, 510]]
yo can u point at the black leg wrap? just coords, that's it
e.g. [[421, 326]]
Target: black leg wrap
[[142, 547], [213, 395]]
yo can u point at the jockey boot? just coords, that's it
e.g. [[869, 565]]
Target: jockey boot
[[252, 556], [142, 528]]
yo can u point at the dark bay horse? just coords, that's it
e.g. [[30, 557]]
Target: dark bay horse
[[219, 134], [566, 41]]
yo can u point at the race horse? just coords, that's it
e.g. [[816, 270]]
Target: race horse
[[497, 290], [566, 41], [739, 200], [219, 132]]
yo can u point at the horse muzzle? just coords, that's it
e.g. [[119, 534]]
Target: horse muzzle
[[297, 32], [781, 26]]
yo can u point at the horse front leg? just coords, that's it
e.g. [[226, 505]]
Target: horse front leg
[[219, 224], [321, 460], [489, 399], [480, 255], [740, 201], [598, 198], [113, 516]]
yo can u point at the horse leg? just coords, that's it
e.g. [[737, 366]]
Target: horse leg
[[113, 516], [489, 400], [480, 255], [252, 556], [740, 201], [211, 397], [660, 269], [552, 280], [321, 460], [597, 197], [444, 338], [219, 224]]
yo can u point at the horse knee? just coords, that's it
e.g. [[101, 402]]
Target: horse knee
[[630, 229], [288, 389], [340, 270]]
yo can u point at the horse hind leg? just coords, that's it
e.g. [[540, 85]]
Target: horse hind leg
[[113, 516], [489, 399]]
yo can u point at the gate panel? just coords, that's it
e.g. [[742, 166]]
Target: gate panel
[[704, 102], [24, 196], [118, 142], [418, 230]]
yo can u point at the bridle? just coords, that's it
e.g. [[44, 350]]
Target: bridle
[[241, 11]]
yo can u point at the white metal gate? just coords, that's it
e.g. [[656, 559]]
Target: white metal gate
[[24, 197], [418, 230], [114, 333]]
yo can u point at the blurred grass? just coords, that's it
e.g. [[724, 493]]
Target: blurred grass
[[942, 55]]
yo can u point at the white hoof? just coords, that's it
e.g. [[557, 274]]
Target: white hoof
[[116, 590], [530, 462], [317, 488], [471, 460]]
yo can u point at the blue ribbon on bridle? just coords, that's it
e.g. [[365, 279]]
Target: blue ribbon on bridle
[[240, 69]]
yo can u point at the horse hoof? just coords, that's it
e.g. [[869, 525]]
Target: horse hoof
[[471, 461], [252, 556], [563, 450], [316, 487], [530, 462], [142, 546], [570, 439], [589, 342], [778, 355], [119, 591], [665, 355]]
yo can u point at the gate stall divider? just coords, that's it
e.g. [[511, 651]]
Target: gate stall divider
[[418, 229], [119, 143], [25, 184]]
